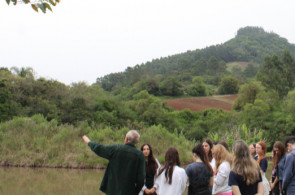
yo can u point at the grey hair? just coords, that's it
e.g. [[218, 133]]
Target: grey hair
[[133, 136]]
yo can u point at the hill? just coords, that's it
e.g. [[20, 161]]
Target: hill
[[250, 45]]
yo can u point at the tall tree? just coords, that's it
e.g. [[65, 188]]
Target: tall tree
[[4, 101], [274, 74], [229, 85], [171, 87], [212, 66], [289, 68], [23, 72]]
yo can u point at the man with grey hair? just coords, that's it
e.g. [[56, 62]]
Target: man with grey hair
[[132, 136], [125, 172]]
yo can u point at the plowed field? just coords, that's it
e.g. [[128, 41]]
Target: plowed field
[[201, 103]]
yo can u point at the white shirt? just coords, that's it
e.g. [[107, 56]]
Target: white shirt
[[220, 184], [213, 164], [178, 185]]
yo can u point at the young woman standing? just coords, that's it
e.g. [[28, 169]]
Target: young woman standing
[[223, 161], [200, 173], [171, 177], [262, 161], [278, 155], [151, 166], [207, 147], [245, 177]]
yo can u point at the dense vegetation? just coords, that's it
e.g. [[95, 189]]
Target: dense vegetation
[[42, 120], [36, 142]]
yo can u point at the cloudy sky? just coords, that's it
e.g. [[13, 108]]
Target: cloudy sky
[[82, 40]]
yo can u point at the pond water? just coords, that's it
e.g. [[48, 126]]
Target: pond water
[[43, 181], [35, 181]]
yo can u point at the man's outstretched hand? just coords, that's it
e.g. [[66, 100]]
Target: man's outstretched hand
[[85, 139]]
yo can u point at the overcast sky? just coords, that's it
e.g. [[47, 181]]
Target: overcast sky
[[83, 40]]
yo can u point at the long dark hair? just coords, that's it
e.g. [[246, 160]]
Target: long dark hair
[[171, 159], [277, 157], [151, 164], [210, 143], [198, 150]]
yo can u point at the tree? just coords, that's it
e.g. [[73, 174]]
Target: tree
[[250, 70], [151, 85], [237, 71], [229, 85], [289, 68], [215, 67], [197, 88], [256, 115], [23, 72], [289, 103], [149, 108], [200, 67], [43, 5], [171, 87], [273, 75], [112, 80], [247, 94], [212, 66], [4, 101]]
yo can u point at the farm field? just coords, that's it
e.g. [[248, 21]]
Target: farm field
[[196, 104]]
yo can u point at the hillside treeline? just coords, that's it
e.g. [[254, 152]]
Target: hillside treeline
[[177, 72], [265, 103]]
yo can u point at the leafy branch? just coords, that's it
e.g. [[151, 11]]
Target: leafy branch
[[43, 5]]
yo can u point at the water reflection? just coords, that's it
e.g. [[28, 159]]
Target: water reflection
[[23, 181]]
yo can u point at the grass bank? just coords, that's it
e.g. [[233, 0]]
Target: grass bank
[[35, 142]]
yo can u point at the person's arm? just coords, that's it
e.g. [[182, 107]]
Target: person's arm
[[236, 190], [156, 186], [260, 188], [143, 189], [100, 149], [223, 173], [147, 191], [281, 172], [183, 180], [274, 183], [211, 182], [233, 181], [86, 139], [152, 190], [288, 174], [157, 181], [281, 168]]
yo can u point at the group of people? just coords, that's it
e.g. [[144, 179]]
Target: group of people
[[215, 169]]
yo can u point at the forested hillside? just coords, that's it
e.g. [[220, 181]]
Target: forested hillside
[[176, 75]]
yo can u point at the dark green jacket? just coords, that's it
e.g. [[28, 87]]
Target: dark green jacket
[[125, 172]]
